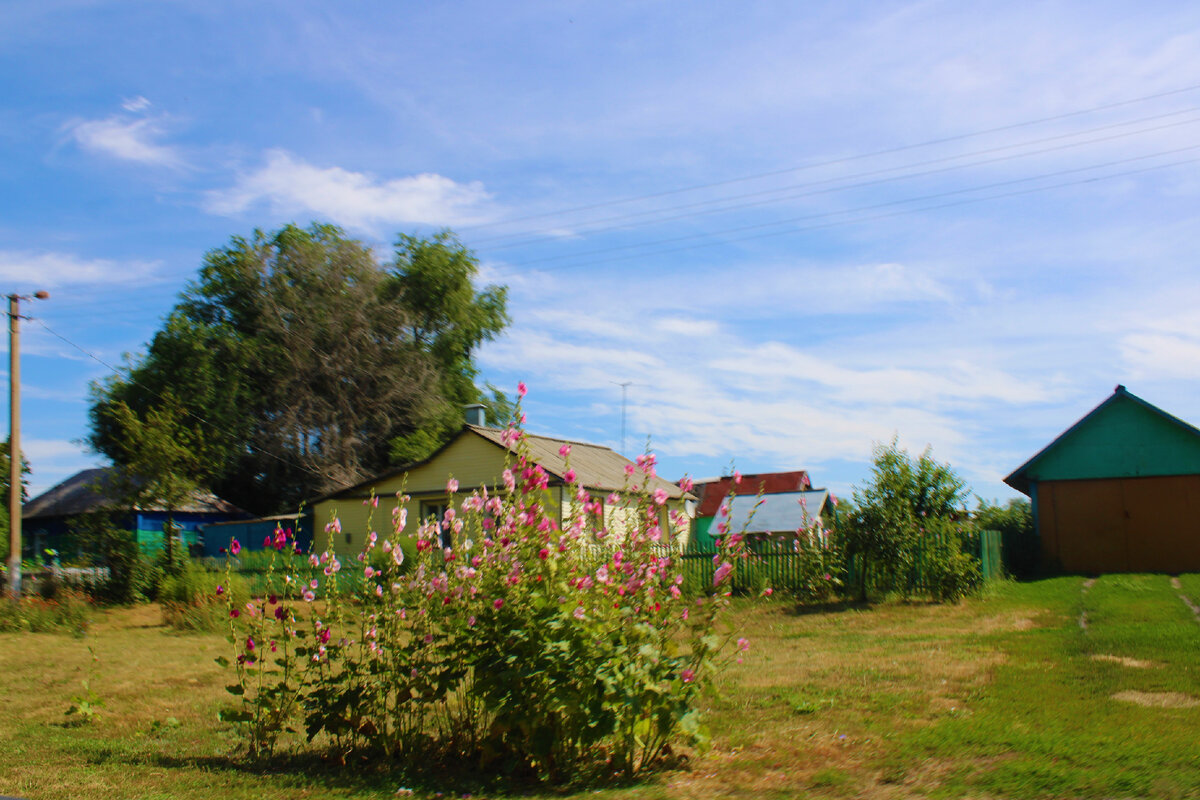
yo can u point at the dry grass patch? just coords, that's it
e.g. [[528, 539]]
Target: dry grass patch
[[1124, 661], [1157, 699]]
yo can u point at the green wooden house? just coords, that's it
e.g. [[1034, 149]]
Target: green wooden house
[[1118, 491]]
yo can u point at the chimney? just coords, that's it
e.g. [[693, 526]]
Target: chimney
[[476, 414]]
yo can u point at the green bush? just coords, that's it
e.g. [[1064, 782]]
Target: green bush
[[190, 599], [901, 531], [69, 612], [949, 574]]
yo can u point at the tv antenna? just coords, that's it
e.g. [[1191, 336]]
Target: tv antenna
[[624, 387]]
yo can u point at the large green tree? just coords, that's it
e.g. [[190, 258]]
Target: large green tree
[[433, 281], [302, 360]]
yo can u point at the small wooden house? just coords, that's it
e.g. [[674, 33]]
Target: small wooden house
[[1118, 491], [476, 457], [47, 520]]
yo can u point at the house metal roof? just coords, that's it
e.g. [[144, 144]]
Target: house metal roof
[[93, 489], [776, 513], [713, 491], [596, 467]]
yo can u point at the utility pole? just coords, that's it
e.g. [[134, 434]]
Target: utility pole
[[624, 386], [14, 439]]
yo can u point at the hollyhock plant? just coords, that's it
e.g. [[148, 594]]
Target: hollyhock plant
[[516, 614]]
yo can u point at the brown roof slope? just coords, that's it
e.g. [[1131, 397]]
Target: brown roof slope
[[713, 492], [93, 489]]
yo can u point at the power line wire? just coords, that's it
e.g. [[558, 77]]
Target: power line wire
[[843, 160], [872, 218], [861, 184]]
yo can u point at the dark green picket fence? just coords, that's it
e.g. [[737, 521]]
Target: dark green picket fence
[[985, 546], [773, 564]]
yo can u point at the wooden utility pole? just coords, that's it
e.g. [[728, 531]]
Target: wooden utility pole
[[14, 440]]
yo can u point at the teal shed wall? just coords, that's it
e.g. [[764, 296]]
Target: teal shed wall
[[1124, 439]]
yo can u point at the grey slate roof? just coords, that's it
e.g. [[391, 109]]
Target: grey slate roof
[[92, 489], [778, 513]]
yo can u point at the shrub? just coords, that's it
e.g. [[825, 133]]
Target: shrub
[[897, 522], [190, 599], [69, 612], [529, 649], [131, 576], [949, 574]]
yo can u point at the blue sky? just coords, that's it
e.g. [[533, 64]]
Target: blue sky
[[796, 229]]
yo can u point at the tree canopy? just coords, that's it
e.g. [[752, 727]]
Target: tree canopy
[[302, 364]]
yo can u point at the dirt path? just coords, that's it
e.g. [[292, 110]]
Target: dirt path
[[1083, 618], [1187, 601]]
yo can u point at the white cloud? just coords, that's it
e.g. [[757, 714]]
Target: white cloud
[[135, 104], [290, 185], [688, 327], [53, 460], [126, 139], [1162, 355], [48, 270]]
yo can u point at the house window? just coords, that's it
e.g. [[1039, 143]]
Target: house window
[[437, 510]]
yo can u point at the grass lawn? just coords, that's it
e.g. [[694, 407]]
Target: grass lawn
[[1004, 696]]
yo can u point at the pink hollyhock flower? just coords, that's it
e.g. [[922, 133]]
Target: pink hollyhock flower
[[471, 622], [660, 496], [267, 542], [565, 450], [688, 675], [521, 389], [250, 644], [498, 603], [569, 476], [280, 613], [743, 644], [721, 573], [220, 590], [737, 476], [452, 486], [687, 484], [578, 613], [235, 546], [629, 469], [543, 554]]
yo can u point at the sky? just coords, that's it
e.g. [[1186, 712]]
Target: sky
[[795, 230]]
